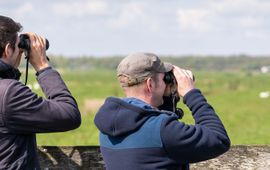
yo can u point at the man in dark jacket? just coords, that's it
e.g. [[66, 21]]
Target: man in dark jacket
[[22, 112], [135, 134]]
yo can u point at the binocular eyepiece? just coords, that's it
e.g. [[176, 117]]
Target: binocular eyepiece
[[25, 42], [169, 78]]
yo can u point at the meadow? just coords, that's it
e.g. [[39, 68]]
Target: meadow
[[234, 95]]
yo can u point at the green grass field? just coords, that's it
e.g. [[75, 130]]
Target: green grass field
[[235, 97]]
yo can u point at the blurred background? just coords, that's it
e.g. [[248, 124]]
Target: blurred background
[[107, 28], [225, 43]]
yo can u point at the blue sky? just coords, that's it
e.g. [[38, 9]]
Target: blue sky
[[120, 27]]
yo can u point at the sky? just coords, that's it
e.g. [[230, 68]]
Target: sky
[[165, 27]]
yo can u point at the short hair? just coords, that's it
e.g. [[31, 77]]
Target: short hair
[[154, 76], [8, 33], [125, 82]]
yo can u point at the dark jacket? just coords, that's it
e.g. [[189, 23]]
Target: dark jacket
[[23, 114], [136, 136]]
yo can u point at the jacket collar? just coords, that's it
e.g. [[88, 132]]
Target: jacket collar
[[9, 72]]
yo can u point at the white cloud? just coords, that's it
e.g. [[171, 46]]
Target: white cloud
[[24, 9], [129, 13], [194, 19], [80, 8], [135, 15], [247, 17], [224, 15], [245, 6], [254, 34], [219, 26], [250, 22]]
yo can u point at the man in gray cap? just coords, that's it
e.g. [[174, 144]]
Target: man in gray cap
[[136, 134]]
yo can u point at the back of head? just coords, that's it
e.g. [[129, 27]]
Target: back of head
[[137, 67], [8, 32]]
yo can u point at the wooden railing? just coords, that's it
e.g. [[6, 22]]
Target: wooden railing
[[239, 157]]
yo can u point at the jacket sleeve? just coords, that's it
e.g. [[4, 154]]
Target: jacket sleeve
[[193, 143], [25, 112]]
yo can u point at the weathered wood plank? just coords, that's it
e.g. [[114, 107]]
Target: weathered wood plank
[[88, 157]]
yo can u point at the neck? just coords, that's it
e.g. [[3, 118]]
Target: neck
[[142, 96]]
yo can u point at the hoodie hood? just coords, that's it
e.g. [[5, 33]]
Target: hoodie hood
[[117, 117]]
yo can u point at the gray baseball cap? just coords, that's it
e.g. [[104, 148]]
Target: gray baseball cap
[[137, 67]]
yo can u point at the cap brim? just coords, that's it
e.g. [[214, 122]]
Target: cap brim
[[168, 67]]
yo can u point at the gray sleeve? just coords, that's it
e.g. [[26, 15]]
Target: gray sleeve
[[25, 112]]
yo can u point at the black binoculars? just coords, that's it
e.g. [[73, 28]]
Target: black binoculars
[[25, 42]]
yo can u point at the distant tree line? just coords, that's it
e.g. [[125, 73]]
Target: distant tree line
[[205, 63]]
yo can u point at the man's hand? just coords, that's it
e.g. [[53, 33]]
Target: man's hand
[[184, 79], [37, 54]]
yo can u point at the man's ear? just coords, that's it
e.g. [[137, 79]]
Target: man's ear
[[8, 51], [149, 85]]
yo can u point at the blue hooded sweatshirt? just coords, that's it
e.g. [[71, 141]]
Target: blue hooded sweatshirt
[[136, 136]]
